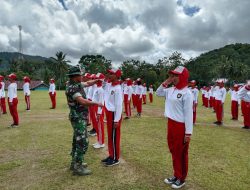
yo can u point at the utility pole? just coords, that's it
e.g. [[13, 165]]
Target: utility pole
[[20, 51]]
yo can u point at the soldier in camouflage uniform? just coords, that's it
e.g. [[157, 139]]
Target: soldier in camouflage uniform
[[78, 105]]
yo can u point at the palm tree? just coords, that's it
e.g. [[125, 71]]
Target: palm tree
[[61, 66]]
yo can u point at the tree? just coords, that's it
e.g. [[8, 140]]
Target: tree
[[60, 67], [95, 63]]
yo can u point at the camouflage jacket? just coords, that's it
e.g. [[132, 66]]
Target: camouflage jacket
[[77, 111]]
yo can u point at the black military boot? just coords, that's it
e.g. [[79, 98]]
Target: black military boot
[[85, 165]]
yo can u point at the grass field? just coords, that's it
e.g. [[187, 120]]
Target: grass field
[[36, 155]]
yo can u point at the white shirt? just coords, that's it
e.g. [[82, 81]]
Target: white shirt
[[52, 88], [26, 88], [12, 91], [178, 105], [114, 101], [234, 95], [98, 96], [244, 94], [207, 94], [134, 88], [139, 90], [2, 92], [106, 91], [195, 93], [129, 91], [220, 94], [151, 90], [144, 90]]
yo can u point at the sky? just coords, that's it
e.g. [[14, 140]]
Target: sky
[[123, 29]]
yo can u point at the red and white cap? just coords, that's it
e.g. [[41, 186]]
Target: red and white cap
[[26, 79], [220, 81], [117, 72], [52, 80], [12, 76], [1, 78], [178, 70], [193, 82], [87, 75], [100, 76], [139, 79], [93, 76]]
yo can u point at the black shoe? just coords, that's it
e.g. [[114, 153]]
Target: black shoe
[[216, 122], [106, 159], [219, 123], [126, 118], [178, 184], [92, 133], [245, 127], [170, 180], [112, 162]]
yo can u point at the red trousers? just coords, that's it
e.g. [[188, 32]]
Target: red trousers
[[138, 103], [27, 100], [234, 109], [144, 98], [93, 116], [178, 149], [246, 115], [53, 99], [203, 99], [13, 111], [150, 97], [100, 128], [206, 102], [211, 101], [127, 105], [219, 110], [243, 105], [134, 100], [3, 105], [114, 135], [194, 112]]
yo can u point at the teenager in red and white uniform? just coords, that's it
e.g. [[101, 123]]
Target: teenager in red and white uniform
[[128, 90], [114, 117], [134, 87], [179, 114], [92, 112], [207, 96], [195, 93], [139, 93], [12, 99], [220, 97], [2, 95], [203, 91], [26, 92], [98, 96], [151, 93], [234, 102], [144, 94], [52, 93], [244, 94]]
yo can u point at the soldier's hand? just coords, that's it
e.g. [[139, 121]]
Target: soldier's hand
[[116, 124], [100, 104]]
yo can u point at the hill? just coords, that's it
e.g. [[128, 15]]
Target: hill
[[231, 61], [7, 58]]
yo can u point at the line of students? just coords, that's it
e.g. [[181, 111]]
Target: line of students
[[214, 97]]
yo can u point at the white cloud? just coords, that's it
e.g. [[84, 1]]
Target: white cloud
[[119, 29]]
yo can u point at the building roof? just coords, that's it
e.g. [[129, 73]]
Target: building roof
[[33, 84]]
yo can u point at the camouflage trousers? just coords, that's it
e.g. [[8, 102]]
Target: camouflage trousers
[[80, 140]]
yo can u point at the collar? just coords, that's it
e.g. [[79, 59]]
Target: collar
[[115, 83]]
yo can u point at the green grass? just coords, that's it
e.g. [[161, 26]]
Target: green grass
[[36, 155]]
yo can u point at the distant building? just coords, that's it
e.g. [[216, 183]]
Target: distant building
[[34, 85]]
